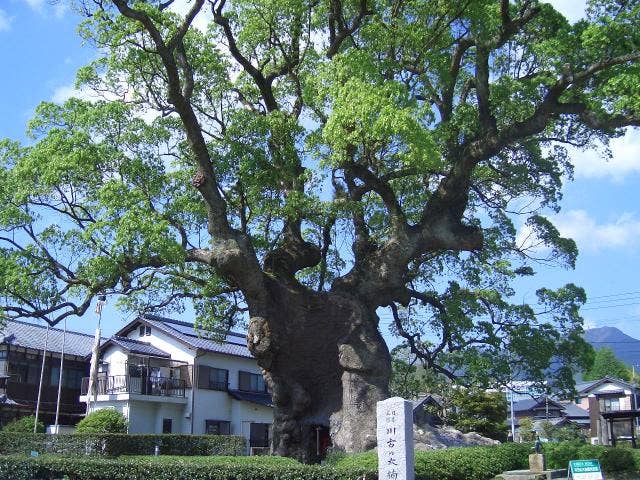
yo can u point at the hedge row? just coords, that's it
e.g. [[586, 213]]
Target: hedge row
[[475, 463], [482, 463], [23, 468], [113, 445], [611, 459], [471, 463]]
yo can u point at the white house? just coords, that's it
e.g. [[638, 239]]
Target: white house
[[166, 377]]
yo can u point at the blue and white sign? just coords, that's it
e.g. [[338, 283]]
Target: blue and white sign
[[585, 470]]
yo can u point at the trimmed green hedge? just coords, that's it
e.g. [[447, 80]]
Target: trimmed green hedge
[[114, 445], [611, 459], [478, 463], [22, 468], [474, 463], [470, 463]]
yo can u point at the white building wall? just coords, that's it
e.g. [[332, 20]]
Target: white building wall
[[211, 405], [116, 357], [147, 416], [142, 417], [176, 349], [246, 413]]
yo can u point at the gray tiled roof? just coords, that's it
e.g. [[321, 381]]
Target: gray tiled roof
[[234, 343], [136, 346], [531, 403], [573, 410], [584, 387], [30, 335], [252, 397]]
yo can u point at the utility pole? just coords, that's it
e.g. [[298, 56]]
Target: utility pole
[[64, 338], [44, 357]]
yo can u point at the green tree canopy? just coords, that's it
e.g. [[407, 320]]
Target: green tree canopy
[[606, 364], [308, 165], [480, 411]]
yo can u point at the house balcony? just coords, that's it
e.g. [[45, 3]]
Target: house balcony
[[145, 386]]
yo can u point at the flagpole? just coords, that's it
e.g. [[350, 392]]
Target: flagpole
[[95, 353], [64, 338], [44, 356]]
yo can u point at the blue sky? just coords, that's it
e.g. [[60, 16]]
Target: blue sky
[[600, 210]]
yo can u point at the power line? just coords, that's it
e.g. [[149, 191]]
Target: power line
[[617, 295], [611, 306]]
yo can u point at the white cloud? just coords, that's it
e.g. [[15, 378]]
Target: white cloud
[[625, 158], [60, 9], [37, 5], [574, 10], [44, 7], [65, 92], [5, 21], [620, 232]]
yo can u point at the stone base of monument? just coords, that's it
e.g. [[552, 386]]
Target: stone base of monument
[[537, 471], [529, 475]]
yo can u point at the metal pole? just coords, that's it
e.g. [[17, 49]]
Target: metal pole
[[95, 385], [44, 356], [513, 421], [64, 338]]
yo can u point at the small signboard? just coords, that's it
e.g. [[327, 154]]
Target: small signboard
[[585, 470]]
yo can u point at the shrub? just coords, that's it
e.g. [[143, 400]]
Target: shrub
[[469, 463], [611, 459], [103, 421], [23, 425], [122, 444], [157, 468]]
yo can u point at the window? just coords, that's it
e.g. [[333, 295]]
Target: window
[[3, 354], [251, 382], [259, 435], [166, 425], [610, 404], [145, 330], [217, 427], [55, 376], [20, 372], [212, 378], [72, 378]]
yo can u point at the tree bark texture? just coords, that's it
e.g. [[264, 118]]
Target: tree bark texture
[[325, 363]]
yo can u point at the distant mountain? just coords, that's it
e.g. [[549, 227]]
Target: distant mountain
[[625, 347]]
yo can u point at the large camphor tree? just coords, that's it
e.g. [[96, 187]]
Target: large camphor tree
[[307, 165]]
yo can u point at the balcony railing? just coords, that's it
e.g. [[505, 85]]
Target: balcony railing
[[157, 386]]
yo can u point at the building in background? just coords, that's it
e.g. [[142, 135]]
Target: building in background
[[546, 409], [21, 350], [613, 409], [167, 377]]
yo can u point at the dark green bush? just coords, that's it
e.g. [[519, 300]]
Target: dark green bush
[[611, 459], [106, 420], [24, 468], [617, 460], [471, 463], [23, 425], [122, 444]]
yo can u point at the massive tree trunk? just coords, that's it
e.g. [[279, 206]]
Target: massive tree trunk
[[326, 365]]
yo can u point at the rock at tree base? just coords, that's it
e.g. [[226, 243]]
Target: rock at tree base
[[433, 438]]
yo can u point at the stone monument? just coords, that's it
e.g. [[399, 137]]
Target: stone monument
[[395, 439]]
